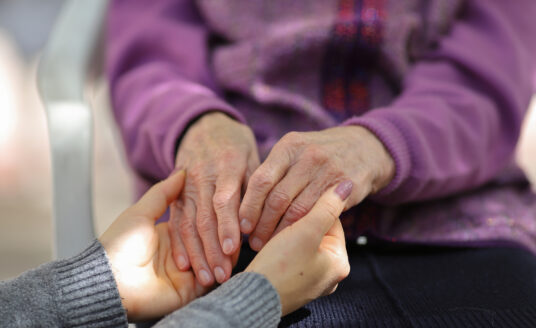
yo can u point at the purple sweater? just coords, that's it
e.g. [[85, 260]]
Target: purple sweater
[[444, 84]]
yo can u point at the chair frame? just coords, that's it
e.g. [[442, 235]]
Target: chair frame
[[64, 70]]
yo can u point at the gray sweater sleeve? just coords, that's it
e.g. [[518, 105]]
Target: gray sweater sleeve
[[79, 291], [247, 300]]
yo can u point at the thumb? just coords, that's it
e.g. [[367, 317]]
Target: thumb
[[324, 213], [154, 203]]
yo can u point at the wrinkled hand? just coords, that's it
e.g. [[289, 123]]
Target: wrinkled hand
[[308, 259], [219, 154], [149, 283], [300, 167]]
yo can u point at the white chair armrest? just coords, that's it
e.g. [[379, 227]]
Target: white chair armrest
[[63, 71]]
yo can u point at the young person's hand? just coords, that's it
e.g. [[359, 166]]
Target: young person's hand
[[300, 167], [219, 154], [149, 282], [308, 259]]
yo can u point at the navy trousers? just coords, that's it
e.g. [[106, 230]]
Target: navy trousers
[[416, 286]]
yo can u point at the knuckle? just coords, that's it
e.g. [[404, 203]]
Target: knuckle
[[261, 181], [343, 271], [185, 226], [333, 170], [292, 137], [204, 224], [331, 211], [221, 199], [278, 200], [333, 289], [296, 211], [316, 154]]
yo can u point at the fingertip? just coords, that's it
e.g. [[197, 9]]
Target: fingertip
[[245, 226], [219, 274], [228, 246], [182, 263], [205, 278], [256, 244]]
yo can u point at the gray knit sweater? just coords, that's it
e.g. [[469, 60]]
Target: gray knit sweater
[[81, 292]]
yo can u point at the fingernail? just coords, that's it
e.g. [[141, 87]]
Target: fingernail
[[228, 246], [220, 274], [256, 243], [204, 276], [183, 264], [344, 189], [245, 225]]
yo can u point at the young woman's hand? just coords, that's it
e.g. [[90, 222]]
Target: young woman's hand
[[308, 259], [149, 282], [219, 154], [300, 167]]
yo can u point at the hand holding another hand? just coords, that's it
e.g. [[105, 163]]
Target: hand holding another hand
[[149, 282], [308, 258], [300, 167]]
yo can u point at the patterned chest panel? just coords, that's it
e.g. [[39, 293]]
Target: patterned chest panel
[[351, 56]]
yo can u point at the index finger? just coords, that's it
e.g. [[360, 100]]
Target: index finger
[[154, 203], [265, 177], [326, 210]]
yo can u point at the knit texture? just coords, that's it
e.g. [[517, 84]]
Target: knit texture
[[443, 84], [77, 292], [247, 300], [428, 287]]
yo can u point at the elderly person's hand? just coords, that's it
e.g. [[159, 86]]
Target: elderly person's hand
[[308, 259], [149, 282], [219, 154], [300, 167]]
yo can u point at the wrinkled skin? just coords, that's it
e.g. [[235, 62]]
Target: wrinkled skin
[[300, 167], [219, 154]]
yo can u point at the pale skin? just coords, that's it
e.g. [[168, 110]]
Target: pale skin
[[303, 262], [219, 154], [300, 167]]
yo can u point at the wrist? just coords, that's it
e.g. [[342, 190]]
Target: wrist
[[87, 279], [200, 125], [380, 161]]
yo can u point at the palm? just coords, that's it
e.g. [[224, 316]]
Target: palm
[[148, 280]]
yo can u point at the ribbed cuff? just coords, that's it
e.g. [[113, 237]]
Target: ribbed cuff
[[86, 291], [252, 300], [246, 300]]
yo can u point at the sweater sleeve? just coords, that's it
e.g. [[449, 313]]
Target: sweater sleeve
[[157, 64], [247, 300], [457, 121], [77, 292]]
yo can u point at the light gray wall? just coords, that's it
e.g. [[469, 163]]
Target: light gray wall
[[28, 22]]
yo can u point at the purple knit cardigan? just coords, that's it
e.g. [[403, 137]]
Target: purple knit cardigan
[[443, 84]]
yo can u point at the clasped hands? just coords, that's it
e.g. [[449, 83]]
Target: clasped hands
[[222, 164], [150, 284]]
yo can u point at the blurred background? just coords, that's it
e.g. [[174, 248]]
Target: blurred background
[[25, 178]]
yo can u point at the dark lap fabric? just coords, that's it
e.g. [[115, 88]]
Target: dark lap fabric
[[403, 286]]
